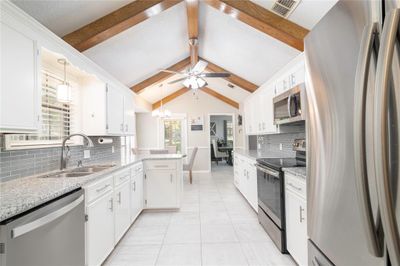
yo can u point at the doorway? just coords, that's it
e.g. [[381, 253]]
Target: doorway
[[221, 140]]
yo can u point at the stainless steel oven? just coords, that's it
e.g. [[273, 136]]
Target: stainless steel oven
[[289, 106], [271, 206]]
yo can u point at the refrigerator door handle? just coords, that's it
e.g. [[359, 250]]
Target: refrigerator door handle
[[385, 58], [360, 99]]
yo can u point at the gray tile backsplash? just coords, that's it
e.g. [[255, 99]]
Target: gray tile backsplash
[[271, 143], [20, 163]]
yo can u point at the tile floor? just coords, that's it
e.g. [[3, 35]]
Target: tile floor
[[215, 226]]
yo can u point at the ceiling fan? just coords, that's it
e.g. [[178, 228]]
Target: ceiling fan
[[193, 77]]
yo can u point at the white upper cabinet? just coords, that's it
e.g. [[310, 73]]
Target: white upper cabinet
[[259, 108], [115, 111], [129, 113], [107, 110], [20, 90]]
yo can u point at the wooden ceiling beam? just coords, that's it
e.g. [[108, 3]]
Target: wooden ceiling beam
[[263, 20], [220, 97], [161, 76], [236, 80], [192, 11], [170, 97], [116, 22]]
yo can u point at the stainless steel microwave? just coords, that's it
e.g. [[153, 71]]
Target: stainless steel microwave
[[289, 106]]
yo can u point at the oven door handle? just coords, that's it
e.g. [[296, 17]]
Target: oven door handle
[[267, 170]]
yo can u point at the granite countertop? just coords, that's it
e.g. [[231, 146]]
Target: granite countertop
[[298, 171], [254, 154], [22, 194]]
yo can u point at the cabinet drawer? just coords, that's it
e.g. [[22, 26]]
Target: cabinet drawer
[[295, 184], [160, 164], [137, 168], [94, 191], [122, 176]]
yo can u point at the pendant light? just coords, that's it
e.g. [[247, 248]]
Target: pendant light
[[161, 112], [64, 90]]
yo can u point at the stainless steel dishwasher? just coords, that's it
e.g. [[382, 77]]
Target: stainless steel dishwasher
[[49, 235]]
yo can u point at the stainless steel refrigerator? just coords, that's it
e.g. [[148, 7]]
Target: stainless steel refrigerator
[[353, 91]]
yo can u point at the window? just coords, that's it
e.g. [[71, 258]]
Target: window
[[173, 134], [58, 119]]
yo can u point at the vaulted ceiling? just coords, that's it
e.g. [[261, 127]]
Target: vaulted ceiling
[[233, 35]]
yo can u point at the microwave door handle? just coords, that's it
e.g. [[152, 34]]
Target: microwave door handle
[[381, 142], [289, 105], [360, 98]]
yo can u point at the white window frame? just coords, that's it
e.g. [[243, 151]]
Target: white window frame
[[161, 137]]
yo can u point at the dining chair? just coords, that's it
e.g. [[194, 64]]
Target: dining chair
[[217, 154], [189, 166]]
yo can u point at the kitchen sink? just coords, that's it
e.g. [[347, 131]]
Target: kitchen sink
[[78, 172], [91, 169], [65, 174]]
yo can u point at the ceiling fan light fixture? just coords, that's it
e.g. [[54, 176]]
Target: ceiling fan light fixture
[[194, 83]]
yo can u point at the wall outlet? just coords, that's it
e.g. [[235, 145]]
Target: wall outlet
[[258, 146], [112, 149], [280, 146], [86, 154]]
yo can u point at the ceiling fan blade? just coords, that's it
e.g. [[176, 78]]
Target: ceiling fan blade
[[199, 67], [215, 75], [177, 80], [172, 72]]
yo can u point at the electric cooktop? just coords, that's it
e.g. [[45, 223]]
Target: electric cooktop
[[279, 163]]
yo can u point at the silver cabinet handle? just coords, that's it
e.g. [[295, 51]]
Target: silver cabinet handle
[[161, 166], [119, 197], [295, 187], [385, 195], [26, 228], [126, 128], [134, 185], [301, 214], [111, 204], [315, 262], [102, 188], [360, 99], [171, 177]]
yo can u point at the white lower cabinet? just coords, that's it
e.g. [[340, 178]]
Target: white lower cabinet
[[122, 210], [100, 229], [245, 179], [296, 218], [136, 191], [163, 184]]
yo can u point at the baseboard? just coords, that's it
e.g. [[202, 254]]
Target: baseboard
[[199, 171]]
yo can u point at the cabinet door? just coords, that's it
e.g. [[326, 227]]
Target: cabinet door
[[136, 195], [129, 110], [115, 111], [296, 227], [298, 76], [161, 189], [236, 170], [269, 111], [122, 210], [100, 229], [20, 91], [252, 195]]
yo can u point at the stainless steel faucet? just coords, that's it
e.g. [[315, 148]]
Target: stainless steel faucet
[[64, 158]]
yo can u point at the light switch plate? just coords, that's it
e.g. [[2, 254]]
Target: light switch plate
[[86, 154], [112, 149], [280, 146]]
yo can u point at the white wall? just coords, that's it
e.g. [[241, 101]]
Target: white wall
[[202, 104]]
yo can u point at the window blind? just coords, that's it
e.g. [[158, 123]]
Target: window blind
[[58, 120]]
